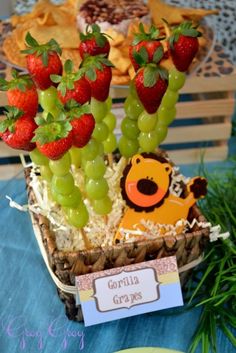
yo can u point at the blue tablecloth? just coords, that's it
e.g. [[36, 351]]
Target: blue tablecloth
[[32, 316]]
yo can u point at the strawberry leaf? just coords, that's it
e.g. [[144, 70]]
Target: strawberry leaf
[[4, 124], [151, 75], [55, 78], [158, 54], [3, 84], [41, 50], [45, 58], [30, 41], [91, 74], [40, 120], [68, 66], [52, 131]]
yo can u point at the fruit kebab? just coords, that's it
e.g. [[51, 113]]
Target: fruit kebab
[[94, 43], [182, 47], [94, 49], [56, 133], [145, 93]]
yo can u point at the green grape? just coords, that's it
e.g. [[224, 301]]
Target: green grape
[[130, 128], [53, 195], [91, 150], [161, 131], [63, 184], [133, 108], [96, 189], [71, 200], [110, 121], [103, 206], [48, 98], [166, 116], [128, 147], [61, 166], [46, 173], [78, 217], [132, 90], [110, 143], [55, 112], [100, 151], [170, 98], [98, 109], [109, 103], [147, 122], [100, 132], [38, 158], [96, 168], [75, 155], [148, 141], [176, 79]]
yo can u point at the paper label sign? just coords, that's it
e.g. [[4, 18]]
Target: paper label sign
[[130, 290]]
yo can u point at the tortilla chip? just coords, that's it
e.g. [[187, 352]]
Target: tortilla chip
[[120, 80], [72, 54], [12, 52], [115, 38], [66, 36], [175, 15]]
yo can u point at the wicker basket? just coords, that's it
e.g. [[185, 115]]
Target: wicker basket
[[66, 265]]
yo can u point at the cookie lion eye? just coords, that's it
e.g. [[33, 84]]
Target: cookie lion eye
[[167, 169], [138, 160]]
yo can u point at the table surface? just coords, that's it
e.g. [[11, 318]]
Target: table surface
[[32, 316]]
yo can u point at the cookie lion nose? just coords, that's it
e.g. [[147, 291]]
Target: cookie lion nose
[[147, 187]]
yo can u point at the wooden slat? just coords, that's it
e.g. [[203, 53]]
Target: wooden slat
[[198, 84], [11, 171], [6, 151], [206, 132], [3, 99], [194, 155], [205, 108]]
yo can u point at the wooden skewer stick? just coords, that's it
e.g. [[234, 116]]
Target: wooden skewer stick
[[105, 218], [87, 242], [110, 159]]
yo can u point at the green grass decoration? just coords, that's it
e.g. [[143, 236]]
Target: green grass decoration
[[213, 284]]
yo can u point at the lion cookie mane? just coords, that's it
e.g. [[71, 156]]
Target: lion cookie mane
[[141, 169]]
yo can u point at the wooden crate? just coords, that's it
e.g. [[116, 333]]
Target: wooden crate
[[203, 122]]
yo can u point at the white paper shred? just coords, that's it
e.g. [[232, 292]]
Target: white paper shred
[[101, 230]]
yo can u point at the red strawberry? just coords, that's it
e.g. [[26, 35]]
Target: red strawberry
[[93, 42], [82, 129], [72, 85], [42, 61], [183, 45], [21, 93], [53, 137], [17, 130], [98, 74], [151, 84], [146, 47], [82, 122]]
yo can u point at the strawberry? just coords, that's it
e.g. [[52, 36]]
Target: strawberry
[[53, 137], [93, 42], [82, 122], [146, 47], [21, 93], [72, 85], [183, 45], [98, 73], [42, 61], [17, 130], [151, 83]]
